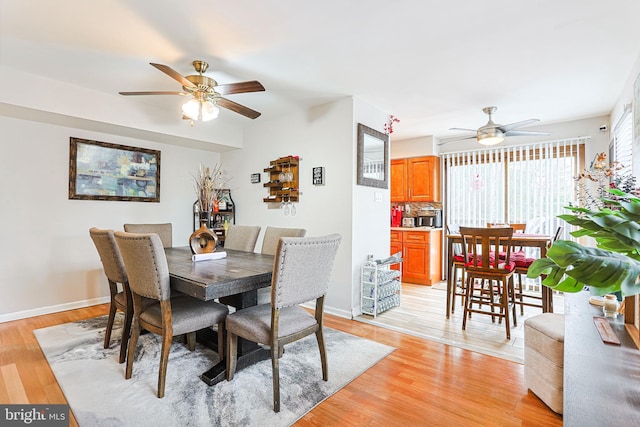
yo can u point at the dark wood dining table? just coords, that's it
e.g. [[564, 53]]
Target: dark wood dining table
[[234, 280], [540, 241]]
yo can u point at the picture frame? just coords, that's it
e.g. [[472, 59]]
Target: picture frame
[[106, 171], [255, 178], [318, 175]]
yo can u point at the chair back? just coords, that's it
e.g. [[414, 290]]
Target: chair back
[[164, 231], [272, 236], [241, 237], [487, 248], [146, 264], [110, 256], [302, 269]]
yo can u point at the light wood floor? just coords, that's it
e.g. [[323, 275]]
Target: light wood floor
[[422, 383], [422, 312]]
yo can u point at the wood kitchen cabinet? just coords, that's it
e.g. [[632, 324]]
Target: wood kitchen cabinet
[[422, 255], [415, 179]]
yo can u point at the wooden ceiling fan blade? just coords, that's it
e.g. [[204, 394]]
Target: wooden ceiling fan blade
[[511, 126], [238, 108], [173, 74], [526, 133], [153, 93], [241, 87]]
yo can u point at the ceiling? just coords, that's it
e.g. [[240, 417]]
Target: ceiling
[[432, 64]]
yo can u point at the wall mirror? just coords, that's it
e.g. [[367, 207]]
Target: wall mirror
[[373, 157]]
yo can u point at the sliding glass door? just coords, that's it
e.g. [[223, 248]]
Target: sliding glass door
[[525, 184]]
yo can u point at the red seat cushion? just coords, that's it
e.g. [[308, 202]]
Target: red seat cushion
[[521, 260], [501, 266]]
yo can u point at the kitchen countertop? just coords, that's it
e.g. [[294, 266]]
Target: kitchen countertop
[[423, 229]]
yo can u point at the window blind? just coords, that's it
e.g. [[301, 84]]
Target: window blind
[[622, 149], [529, 184]]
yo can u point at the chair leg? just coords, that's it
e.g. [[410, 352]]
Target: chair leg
[[467, 301], [126, 332], [164, 360], [275, 366], [519, 294], [107, 332], [191, 341], [505, 306], [454, 288], [232, 349], [323, 354], [221, 341], [131, 352]]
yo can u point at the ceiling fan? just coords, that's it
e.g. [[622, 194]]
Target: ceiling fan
[[492, 133], [206, 93]]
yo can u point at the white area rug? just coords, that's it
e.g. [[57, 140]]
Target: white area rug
[[93, 381]]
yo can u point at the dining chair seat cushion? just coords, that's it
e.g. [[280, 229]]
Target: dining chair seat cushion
[[187, 314], [521, 259], [254, 323], [458, 258], [501, 267]]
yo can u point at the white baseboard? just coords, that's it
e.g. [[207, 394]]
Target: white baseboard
[[330, 310], [52, 309]]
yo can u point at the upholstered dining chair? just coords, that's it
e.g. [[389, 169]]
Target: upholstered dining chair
[[302, 270], [272, 236], [270, 241], [148, 272], [489, 276], [164, 230], [241, 237], [113, 266]]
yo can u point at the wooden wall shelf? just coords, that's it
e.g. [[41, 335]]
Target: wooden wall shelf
[[280, 187]]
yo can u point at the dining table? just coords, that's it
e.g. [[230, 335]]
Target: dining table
[[527, 240], [234, 280]]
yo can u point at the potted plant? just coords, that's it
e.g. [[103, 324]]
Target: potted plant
[[613, 265]]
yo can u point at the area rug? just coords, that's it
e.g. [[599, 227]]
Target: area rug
[[93, 381]]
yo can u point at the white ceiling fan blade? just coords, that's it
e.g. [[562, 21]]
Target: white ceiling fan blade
[[449, 141], [511, 126], [463, 129], [525, 133]]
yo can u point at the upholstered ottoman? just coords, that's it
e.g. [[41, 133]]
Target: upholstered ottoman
[[544, 358]]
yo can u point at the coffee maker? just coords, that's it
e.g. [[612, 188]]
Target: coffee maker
[[429, 217]]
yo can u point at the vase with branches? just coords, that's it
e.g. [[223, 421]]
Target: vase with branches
[[208, 182]]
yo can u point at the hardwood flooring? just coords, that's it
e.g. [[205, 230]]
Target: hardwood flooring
[[422, 383], [422, 312]]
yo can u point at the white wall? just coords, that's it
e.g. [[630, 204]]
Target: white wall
[[323, 136], [47, 259]]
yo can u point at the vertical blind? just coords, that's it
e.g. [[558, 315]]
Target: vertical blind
[[521, 184], [623, 144]]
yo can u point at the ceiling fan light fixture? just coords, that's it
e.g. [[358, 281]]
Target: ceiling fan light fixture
[[490, 137], [200, 110]]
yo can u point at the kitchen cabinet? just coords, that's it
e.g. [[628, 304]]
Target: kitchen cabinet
[[422, 254], [415, 179], [399, 180]]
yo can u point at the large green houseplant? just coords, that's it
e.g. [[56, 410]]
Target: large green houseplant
[[613, 265]]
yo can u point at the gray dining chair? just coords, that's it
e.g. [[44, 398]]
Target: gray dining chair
[[270, 241], [114, 269], [241, 237], [148, 272], [272, 236], [164, 230], [302, 271]]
